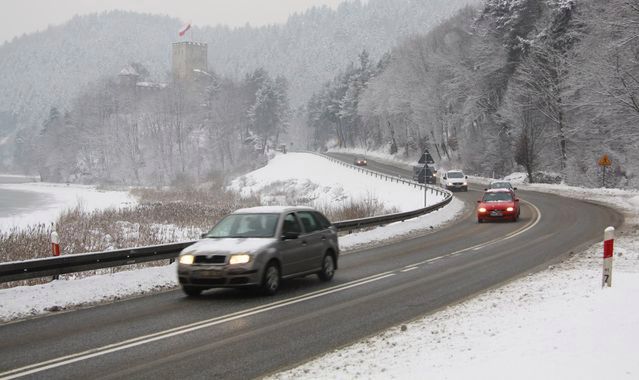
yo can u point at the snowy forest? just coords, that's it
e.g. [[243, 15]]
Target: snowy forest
[[127, 131], [540, 86], [528, 85]]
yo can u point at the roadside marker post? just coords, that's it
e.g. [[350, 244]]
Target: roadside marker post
[[55, 247], [609, 241], [425, 195]]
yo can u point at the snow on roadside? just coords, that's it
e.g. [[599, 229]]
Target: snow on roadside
[[68, 293], [557, 324], [64, 197]]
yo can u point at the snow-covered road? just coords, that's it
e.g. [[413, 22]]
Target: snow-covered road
[[557, 324]]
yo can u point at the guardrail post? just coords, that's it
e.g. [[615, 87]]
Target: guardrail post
[[55, 247], [609, 242]]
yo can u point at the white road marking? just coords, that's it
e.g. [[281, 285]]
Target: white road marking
[[491, 242], [68, 359]]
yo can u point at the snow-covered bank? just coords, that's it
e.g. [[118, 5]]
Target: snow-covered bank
[[344, 183], [63, 198], [307, 177], [557, 324]]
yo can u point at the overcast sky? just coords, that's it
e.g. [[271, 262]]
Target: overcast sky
[[27, 16]]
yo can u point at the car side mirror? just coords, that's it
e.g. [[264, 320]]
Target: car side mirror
[[485, 189], [514, 188], [290, 235], [466, 177], [478, 201], [516, 199]]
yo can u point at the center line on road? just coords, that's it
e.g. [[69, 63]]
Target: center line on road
[[99, 351], [59, 362]]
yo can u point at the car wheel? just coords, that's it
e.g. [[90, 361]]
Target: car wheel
[[271, 280], [465, 189], [479, 220], [328, 268], [191, 291]]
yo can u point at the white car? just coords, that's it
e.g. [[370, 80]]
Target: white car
[[454, 180]]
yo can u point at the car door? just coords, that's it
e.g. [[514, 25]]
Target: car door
[[292, 245], [315, 240]]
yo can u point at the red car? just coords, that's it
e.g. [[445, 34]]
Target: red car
[[359, 161], [498, 204]]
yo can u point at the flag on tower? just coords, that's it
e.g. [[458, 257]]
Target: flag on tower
[[184, 29]]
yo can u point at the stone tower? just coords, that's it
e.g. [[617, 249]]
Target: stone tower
[[188, 59]]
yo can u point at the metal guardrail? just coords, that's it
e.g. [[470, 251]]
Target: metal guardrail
[[51, 266]]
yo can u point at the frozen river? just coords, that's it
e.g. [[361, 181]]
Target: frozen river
[[25, 202], [15, 202]]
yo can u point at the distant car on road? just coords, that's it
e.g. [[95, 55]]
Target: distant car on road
[[455, 180], [498, 204], [360, 161], [501, 185], [258, 247]]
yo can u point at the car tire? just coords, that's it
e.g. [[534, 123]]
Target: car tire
[[479, 220], [465, 189], [191, 291], [271, 279], [328, 268]]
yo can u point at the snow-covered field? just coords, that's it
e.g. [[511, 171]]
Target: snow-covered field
[[298, 174], [63, 197]]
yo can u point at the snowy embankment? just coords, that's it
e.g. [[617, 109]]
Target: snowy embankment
[[314, 180], [556, 324], [291, 176]]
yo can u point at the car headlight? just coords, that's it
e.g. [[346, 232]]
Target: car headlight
[[465, 184], [482, 209], [241, 258], [510, 209], [187, 259]]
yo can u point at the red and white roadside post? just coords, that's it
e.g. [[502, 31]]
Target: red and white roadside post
[[55, 247], [609, 241]]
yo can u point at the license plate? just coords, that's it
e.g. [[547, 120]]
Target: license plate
[[209, 273], [495, 213]]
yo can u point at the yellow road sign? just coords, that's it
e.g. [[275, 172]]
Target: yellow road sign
[[604, 161]]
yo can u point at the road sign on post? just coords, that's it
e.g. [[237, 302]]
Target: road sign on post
[[604, 162], [609, 240]]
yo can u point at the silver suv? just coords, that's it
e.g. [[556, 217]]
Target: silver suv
[[259, 246]]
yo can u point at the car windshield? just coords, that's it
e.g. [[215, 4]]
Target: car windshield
[[500, 185], [245, 226], [497, 197], [455, 175]]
